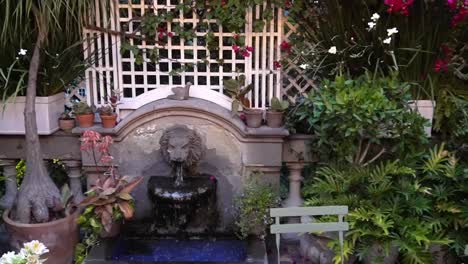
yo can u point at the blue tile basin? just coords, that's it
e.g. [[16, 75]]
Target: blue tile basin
[[172, 250]]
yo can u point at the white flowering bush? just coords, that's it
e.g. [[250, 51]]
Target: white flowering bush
[[30, 254]]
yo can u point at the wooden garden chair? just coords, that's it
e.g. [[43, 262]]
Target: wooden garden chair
[[340, 226]]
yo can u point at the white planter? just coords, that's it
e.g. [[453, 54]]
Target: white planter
[[48, 110], [426, 109]]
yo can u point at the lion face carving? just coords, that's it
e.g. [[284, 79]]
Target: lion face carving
[[181, 145]]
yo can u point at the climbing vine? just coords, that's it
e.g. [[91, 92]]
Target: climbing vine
[[230, 14]]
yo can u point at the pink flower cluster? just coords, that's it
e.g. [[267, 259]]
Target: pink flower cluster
[[441, 64], [461, 13], [92, 140], [399, 6], [162, 31], [243, 51]]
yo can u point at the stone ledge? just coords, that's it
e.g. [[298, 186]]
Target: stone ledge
[[198, 107]]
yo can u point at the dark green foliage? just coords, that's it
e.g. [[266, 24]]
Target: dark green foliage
[[405, 205], [253, 207], [359, 120]]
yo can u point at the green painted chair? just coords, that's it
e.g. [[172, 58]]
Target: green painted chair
[[340, 226]]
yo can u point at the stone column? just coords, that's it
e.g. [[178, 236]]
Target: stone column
[[74, 175], [11, 188], [295, 179], [294, 198]]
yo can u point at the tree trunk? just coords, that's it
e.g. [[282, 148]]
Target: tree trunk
[[37, 193]]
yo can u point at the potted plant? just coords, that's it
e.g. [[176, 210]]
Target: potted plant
[[37, 213], [84, 113], [60, 233], [253, 207], [108, 116], [66, 121], [109, 200], [237, 90], [275, 115], [108, 203]]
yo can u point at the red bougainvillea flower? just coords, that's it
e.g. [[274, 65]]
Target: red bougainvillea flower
[[460, 16], [223, 2], [440, 65], [249, 49], [452, 4], [235, 48], [285, 46], [245, 53], [276, 65], [170, 34], [446, 50], [236, 36], [399, 6], [287, 4]]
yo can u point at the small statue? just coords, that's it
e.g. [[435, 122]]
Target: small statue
[[180, 93]]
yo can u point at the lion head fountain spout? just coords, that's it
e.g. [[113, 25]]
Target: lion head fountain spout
[[182, 149], [179, 200]]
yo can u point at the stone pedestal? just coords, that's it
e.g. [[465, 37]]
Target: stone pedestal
[[295, 179], [294, 199], [11, 188], [74, 175]]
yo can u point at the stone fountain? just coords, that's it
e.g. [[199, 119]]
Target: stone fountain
[[182, 228], [186, 201]]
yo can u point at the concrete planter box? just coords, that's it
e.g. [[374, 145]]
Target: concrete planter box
[[426, 109], [48, 110], [296, 148]]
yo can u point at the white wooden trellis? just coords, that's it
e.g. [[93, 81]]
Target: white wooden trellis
[[295, 81], [149, 81]]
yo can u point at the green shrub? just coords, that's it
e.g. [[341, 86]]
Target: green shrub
[[408, 206], [253, 207], [359, 120]]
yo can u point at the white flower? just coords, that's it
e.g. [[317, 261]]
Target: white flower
[[35, 247], [392, 31], [332, 50], [375, 17], [8, 258], [387, 40], [22, 52], [303, 66], [371, 25]]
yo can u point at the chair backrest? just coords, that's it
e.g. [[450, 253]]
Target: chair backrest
[[340, 226]]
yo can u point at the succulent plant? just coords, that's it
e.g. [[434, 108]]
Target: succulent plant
[[278, 105], [66, 115], [237, 90], [82, 108], [106, 110]]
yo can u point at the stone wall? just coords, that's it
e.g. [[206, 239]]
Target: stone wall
[[232, 150]]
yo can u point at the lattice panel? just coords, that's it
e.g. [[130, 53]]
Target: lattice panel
[[295, 81], [102, 49], [120, 71]]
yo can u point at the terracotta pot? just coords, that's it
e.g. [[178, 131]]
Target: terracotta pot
[[66, 124], [275, 119], [85, 120], [60, 236], [108, 121], [254, 117], [114, 231]]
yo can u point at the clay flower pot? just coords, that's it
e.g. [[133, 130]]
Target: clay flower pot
[[254, 117], [86, 120], [275, 119], [60, 236], [67, 124], [108, 121]]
